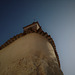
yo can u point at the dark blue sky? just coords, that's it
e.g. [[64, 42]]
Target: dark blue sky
[[56, 17]]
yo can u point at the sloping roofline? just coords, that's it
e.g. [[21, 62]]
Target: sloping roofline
[[39, 31], [32, 24]]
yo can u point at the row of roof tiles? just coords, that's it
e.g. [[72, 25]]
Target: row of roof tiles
[[39, 31]]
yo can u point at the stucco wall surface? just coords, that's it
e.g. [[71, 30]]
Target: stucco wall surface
[[31, 54]]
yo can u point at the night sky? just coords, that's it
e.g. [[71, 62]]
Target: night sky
[[56, 17]]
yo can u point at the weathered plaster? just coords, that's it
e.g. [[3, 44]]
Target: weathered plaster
[[27, 55]]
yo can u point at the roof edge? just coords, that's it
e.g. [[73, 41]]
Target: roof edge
[[39, 31], [32, 24]]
